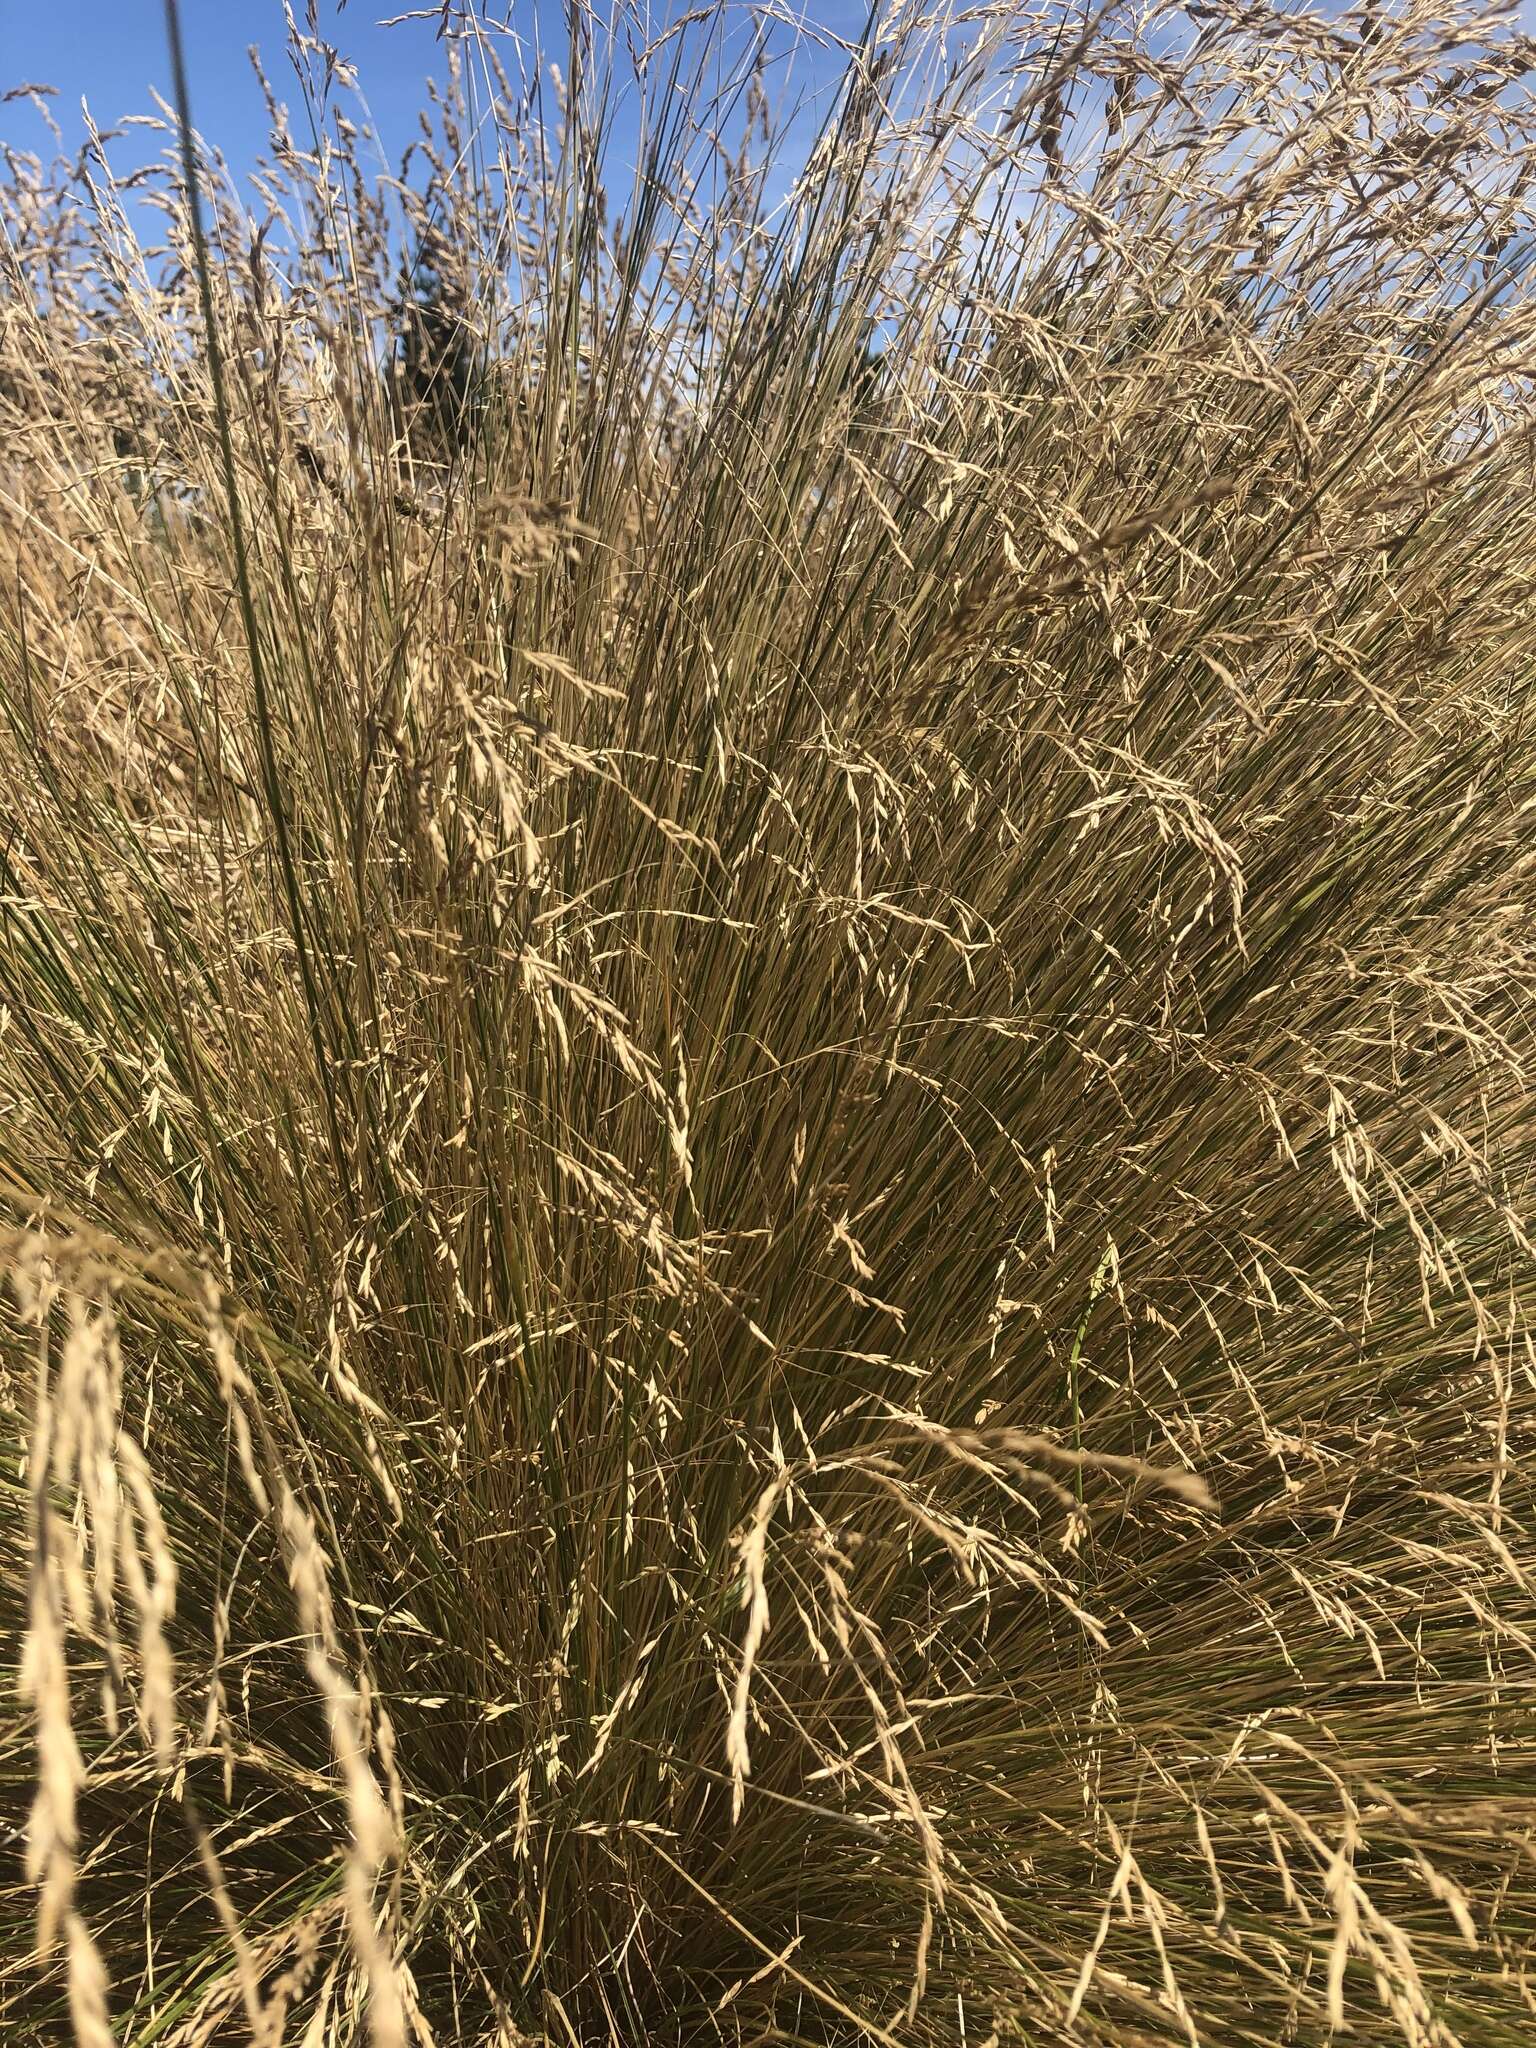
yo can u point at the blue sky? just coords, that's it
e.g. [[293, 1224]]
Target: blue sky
[[113, 53]]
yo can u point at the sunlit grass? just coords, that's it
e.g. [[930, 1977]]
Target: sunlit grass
[[764, 1054]]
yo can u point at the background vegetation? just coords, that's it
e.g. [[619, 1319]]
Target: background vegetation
[[766, 959]]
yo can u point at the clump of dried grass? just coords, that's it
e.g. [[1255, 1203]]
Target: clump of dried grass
[[764, 1075]]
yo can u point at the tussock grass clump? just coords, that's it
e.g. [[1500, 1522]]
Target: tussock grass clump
[[765, 974]]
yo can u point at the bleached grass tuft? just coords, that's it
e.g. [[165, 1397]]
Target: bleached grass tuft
[[766, 990]]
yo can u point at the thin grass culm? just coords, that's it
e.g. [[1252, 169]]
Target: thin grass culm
[[766, 976]]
